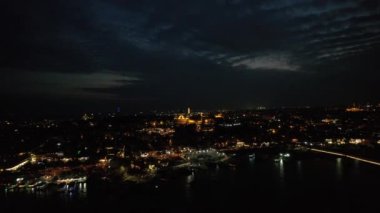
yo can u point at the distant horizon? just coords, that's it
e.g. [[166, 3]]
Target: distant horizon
[[70, 115]]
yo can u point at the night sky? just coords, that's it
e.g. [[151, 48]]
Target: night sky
[[94, 55]]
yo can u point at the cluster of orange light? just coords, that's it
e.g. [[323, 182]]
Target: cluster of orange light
[[354, 109]]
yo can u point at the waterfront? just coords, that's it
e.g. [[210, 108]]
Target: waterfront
[[312, 183]]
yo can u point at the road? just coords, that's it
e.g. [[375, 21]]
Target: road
[[347, 156]]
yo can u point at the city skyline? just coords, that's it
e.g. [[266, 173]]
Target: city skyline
[[192, 161]]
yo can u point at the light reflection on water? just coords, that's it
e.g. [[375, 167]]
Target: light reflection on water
[[281, 169], [279, 166], [189, 180], [251, 161], [339, 169], [299, 170], [356, 170], [79, 191]]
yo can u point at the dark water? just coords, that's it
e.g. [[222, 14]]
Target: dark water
[[318, 184]]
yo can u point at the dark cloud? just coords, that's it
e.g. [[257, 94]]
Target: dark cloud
[[209, 54]]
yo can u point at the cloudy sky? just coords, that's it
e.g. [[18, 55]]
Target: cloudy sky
[[95, 55]]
